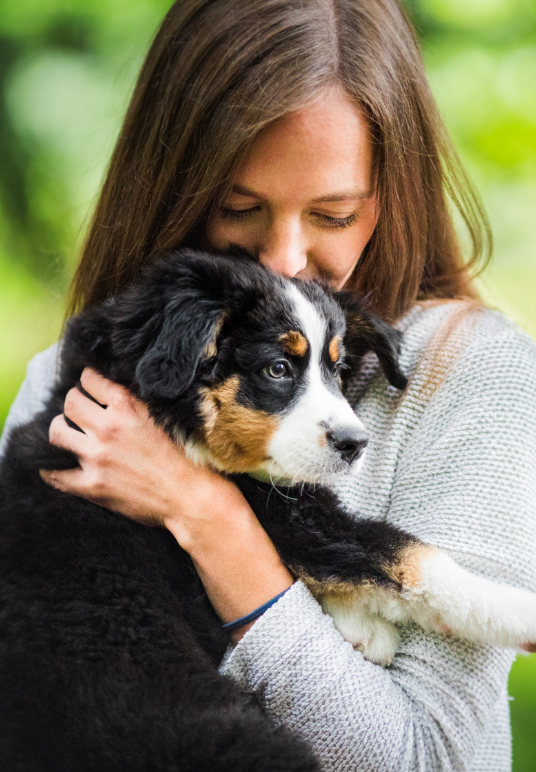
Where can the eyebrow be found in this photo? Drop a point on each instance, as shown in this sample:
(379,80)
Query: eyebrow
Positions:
(346,195)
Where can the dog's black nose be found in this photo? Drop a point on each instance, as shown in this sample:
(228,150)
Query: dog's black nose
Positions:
(349,442)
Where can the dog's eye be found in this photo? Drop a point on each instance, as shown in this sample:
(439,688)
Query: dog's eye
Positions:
(277,370)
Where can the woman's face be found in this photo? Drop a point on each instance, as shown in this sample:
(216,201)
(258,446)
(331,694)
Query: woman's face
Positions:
(303,200)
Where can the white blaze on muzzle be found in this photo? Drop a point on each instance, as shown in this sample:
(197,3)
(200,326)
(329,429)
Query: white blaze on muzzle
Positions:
(320,436)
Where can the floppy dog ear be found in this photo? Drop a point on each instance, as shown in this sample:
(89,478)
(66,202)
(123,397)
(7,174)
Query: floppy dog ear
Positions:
(188,333)
(365,331)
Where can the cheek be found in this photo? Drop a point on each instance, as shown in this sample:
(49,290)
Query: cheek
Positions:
(215,233)
(336,257)
(220,233)
(336,254)
(236,436)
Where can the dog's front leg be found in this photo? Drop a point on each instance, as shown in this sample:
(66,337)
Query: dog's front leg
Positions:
(349,565)
(368,573)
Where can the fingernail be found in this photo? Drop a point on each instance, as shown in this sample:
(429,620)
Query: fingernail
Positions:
(47,477)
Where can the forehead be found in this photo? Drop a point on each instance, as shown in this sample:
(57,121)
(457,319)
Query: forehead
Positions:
(308,154)
(297,316)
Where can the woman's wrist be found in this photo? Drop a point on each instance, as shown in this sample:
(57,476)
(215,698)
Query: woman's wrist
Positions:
(238,564)
(213,510)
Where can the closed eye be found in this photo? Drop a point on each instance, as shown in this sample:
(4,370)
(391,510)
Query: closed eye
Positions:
(238,215)
(336,222)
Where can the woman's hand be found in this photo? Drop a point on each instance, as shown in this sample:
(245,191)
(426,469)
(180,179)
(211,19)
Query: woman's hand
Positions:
(129,465)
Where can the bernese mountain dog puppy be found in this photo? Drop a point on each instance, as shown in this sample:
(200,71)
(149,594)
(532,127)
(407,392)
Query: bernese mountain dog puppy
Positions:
(108,644)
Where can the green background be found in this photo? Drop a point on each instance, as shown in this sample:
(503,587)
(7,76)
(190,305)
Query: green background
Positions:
(66,70)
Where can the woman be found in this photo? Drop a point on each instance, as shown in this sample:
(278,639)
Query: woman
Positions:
(306,133)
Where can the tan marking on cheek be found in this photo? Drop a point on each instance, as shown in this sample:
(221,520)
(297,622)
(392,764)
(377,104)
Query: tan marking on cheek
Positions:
(407,572)
(334,350)
(294,343)
(237,436)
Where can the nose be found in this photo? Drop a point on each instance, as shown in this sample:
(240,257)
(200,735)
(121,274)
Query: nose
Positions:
(350,443)
(285,251)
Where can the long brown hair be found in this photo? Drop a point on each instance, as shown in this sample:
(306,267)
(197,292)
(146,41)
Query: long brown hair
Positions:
(217,73)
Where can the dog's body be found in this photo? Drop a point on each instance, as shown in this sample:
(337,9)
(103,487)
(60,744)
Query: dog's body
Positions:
(108,644)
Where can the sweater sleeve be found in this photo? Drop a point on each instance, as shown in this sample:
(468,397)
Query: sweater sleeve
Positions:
(465,481)
(33,393)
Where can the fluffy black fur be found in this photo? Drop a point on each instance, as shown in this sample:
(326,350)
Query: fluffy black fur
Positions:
(108,644)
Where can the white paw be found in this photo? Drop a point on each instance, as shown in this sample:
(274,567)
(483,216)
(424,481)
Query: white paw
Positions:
(376,638)
(382,645)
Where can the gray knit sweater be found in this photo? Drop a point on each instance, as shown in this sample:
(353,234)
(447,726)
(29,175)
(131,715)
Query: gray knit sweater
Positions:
(453,461)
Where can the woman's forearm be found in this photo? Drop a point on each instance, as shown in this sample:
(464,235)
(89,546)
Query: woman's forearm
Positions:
(238,565)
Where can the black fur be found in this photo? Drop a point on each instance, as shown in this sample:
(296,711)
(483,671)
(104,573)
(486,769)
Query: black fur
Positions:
(108,644)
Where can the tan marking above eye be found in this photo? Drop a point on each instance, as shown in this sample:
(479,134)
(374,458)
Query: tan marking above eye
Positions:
(334,350)
(236,435)
(294,343)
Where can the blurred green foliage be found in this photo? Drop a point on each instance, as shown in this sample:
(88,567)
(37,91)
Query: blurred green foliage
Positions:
(66,71)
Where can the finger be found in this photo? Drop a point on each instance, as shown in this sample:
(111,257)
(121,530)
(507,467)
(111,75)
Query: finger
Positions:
(84,412)
(68,480)
(61,480)
(74,482)
(530,647)
(104,391)
(77,482)
(63,436)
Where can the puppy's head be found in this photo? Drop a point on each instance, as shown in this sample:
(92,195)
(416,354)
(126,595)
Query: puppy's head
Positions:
(243,366)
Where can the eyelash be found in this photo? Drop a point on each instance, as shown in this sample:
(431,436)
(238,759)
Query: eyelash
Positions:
(338,222)
(243,214)
(237,214)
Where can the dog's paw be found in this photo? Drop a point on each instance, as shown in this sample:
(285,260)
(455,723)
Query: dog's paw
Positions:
(381,645)
(376,638)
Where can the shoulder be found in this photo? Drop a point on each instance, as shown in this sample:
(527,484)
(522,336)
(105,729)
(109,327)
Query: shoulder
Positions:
(457,356)
(35,390)
(41,375)
(473,376)
(453,336)
(446,344)
(453,354)
(44,365)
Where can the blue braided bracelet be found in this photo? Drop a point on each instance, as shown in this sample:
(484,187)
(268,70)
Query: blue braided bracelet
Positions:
(230,626)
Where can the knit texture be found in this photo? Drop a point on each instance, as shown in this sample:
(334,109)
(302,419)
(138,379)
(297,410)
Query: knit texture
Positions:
(453,461)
